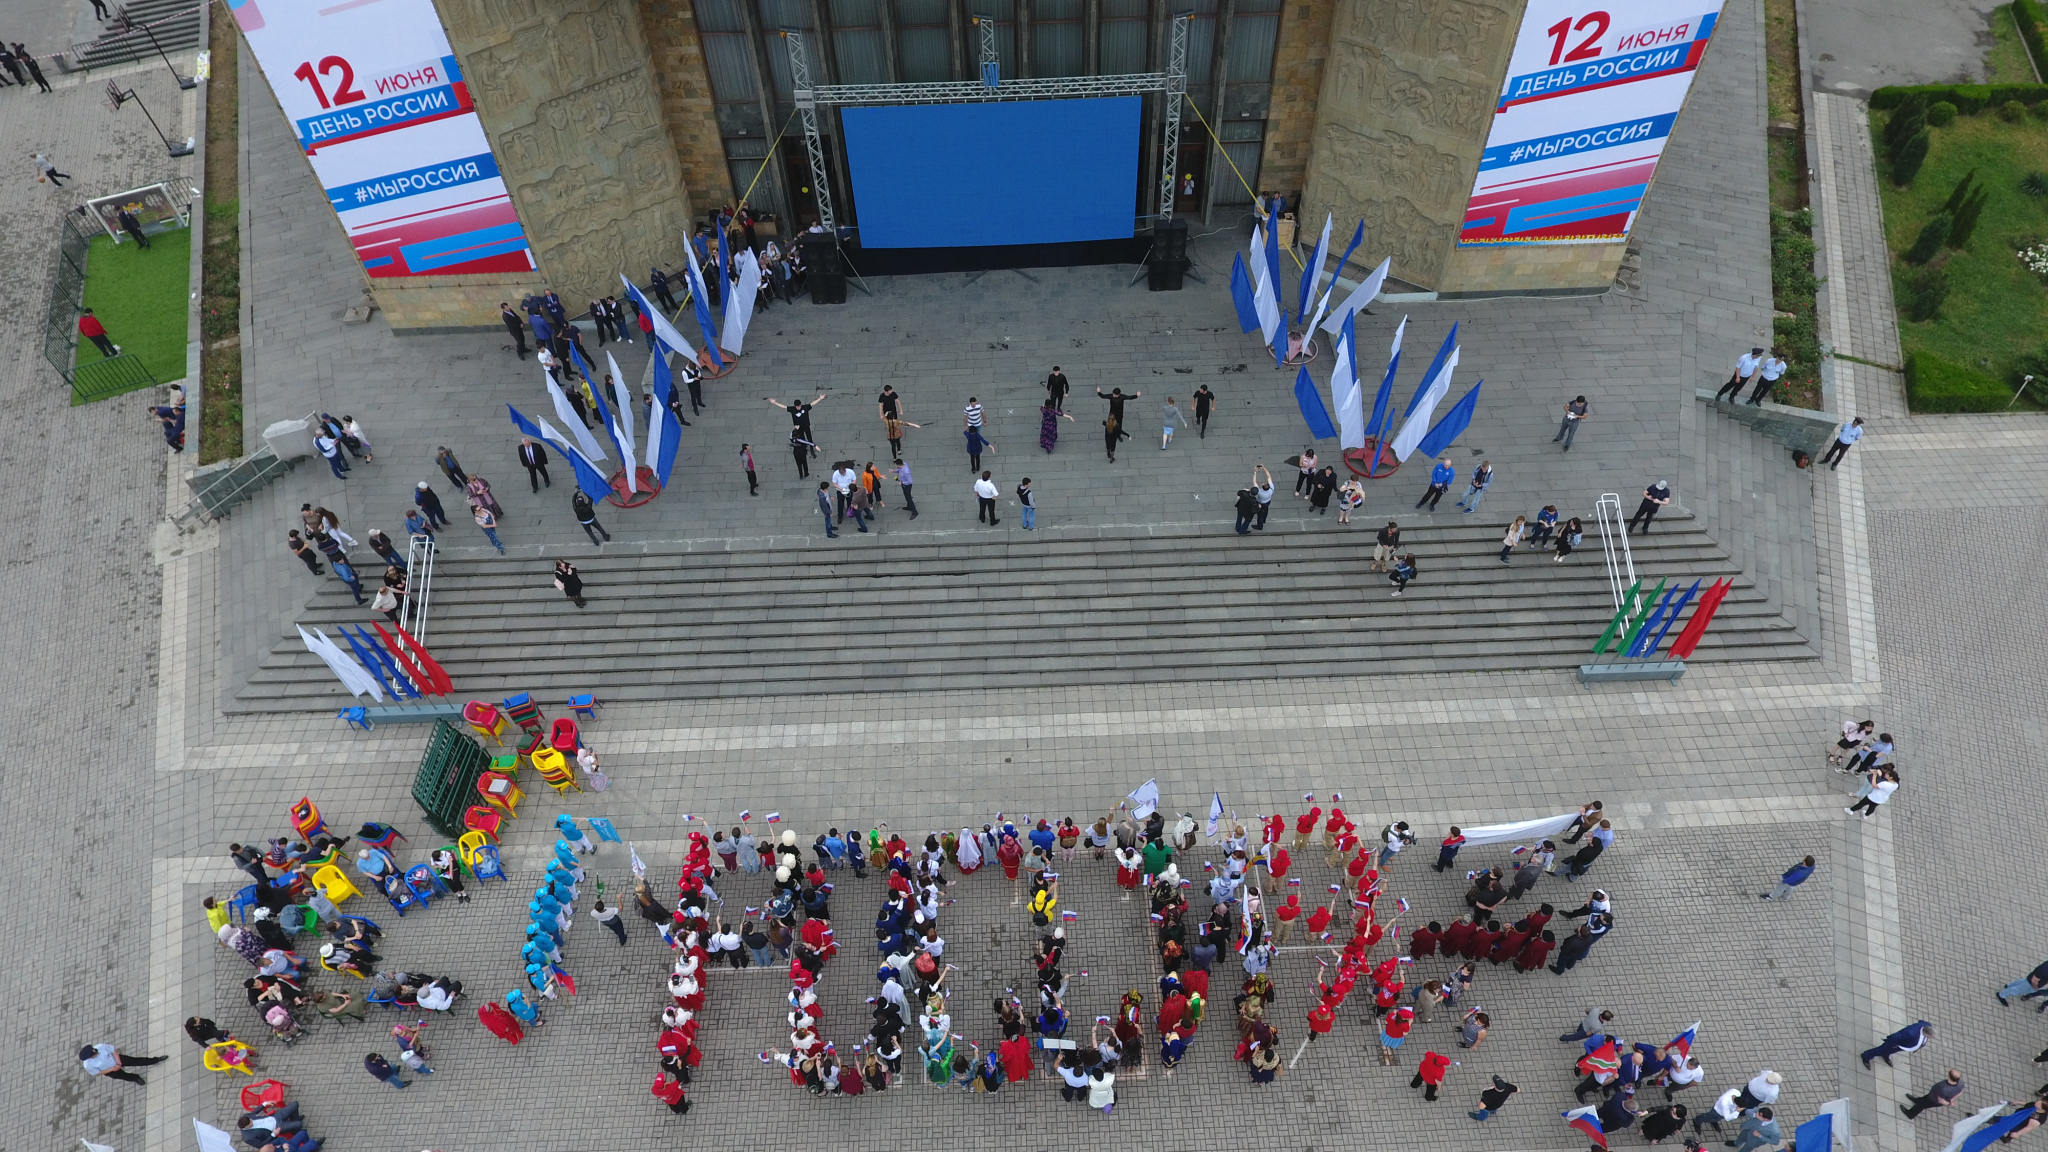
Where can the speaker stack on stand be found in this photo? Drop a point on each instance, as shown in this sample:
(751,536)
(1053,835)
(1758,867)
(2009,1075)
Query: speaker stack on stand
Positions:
(1168,260)
(824,270)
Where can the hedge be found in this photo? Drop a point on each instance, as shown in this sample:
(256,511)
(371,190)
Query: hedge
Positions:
(1935,385)
(1969,99)
(2027,15)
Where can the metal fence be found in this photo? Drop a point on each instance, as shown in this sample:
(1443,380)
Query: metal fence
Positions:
(419,580)
(1621,562)
(100,379)
(67,295)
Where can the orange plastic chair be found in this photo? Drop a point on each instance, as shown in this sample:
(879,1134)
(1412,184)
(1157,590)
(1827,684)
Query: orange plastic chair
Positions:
(501,792)
(485,720)
(228,1056)
(333,884)
(483,819)
(263,1094)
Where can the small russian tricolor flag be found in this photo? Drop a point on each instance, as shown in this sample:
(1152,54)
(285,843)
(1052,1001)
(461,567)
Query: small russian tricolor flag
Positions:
(746,814)
(1683,1041)
(1294,881)
(1402,903)
(1587,1121)
(1336,888)
(774,817)
(1070,915)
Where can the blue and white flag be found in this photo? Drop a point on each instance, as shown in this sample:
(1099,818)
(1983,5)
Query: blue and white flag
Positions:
(739,303)
(566,413)
(663,432)
(1264,300)
(1241,294)
(1215,812)
(622,432)
(623,395)
(1345,392)
(1454,422)
(702,300)
(1424,407)
(1360,296)
(1145,799)
(662,327)
(601,407)
(1330,289)
(1385,396)
(1310,398)
(1312,272)
(593,482)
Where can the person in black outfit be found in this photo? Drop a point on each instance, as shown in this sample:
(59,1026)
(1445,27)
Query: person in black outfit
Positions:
(603,320)
(1943,1094)
(586,515)
(891,403)
(1204,400)
(514,326)
(1056,390)
(800,421)
(13,66)
(28,61)
(133,227)
(534,459)
(1247,507)
(1654,497)
(801,448)
(1116,400)
(621,326)
(693,379)
(1573,950)
(659,282)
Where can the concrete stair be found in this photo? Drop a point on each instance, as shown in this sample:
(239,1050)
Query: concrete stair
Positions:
(1013,610)
(174,23)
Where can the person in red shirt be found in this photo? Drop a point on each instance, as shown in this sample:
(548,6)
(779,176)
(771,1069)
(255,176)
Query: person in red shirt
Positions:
(1386,995)
(1321,1019)
(1394,1032)
(1358,864)
(1455,937)
(1332,826)
(1305,827)
(1510,943)
(1448,850)
(1319,920)
(1276,824)
(1279,864)
(1423,942)
(1535,952)
(89,326)
(1481,942)
(1368,939)
(1287,914)
(669,1091)
(1429,1075)
(1346,843)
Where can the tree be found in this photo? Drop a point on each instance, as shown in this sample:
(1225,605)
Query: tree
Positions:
(1924,295)
(1931,238)
(1966,218)
(1909,117)
(1961,193)
(1911,155)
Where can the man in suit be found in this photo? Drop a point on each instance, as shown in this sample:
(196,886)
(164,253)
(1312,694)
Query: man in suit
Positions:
(514,326)
(534,459)
(1911,1038)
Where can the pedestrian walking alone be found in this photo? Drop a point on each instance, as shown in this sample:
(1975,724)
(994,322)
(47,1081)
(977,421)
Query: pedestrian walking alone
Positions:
(514,326)
(1384,545)
(569,581)
(429,502)
(48,171)
(1655,497)
(376,1065)
(1025,508)
(825,506)
(904,481)
(450,467)
(1402,572)
(1049,419)
(1441,478)
(106,1060)
(1568,428)
(534,459)
(586,515)
(1169,419)
(985,493)
(1942,1095)
(1847,437)
(747,466)
(1205,400)
(1056,389)
(1482,479)
(1793,878)
(610,918)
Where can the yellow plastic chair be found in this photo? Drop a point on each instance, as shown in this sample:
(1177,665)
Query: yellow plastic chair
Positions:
(549,761)
(229,1056)
(485,720)
(465,848)
(332,884)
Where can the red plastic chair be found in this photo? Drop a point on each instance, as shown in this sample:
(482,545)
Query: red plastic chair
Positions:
(306,819)
(263,1095)
(563,736)
(482,818)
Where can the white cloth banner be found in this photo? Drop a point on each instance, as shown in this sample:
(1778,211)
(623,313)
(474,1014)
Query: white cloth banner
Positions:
(343,666)
(548,433)
(1315,276)
(662,328)
(211,1139)
(1145,800)
(1418,425)
(626,449)
(1215,813)
(1350,400)
(567,415)
(619,384)
(1264,300)
(622,398)
(739,303)
(1970,1124)
(1521,830)
(1360,296)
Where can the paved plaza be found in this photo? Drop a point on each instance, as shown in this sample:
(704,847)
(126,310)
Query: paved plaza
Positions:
(1909,569)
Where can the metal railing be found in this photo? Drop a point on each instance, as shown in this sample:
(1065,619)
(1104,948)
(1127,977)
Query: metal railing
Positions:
(1621,563)
(419,581)
(109,377)
(67,296)
(144,29)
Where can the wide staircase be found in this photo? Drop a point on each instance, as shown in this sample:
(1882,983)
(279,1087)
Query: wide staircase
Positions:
(174,24)
(869,614)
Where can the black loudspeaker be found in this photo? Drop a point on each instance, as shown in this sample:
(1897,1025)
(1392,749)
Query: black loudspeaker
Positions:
(1168,259)
(823,268)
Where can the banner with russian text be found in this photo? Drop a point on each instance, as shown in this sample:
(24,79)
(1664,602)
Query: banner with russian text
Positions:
(1590,98)
(378,103)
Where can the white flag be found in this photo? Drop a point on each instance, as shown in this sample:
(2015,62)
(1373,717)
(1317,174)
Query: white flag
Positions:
(626,449)
(1215,812)
(567,415)
(548,433)
(343,666)
(1350,401)
(1264,300)
(739,303)
(1145,800)
(1966,1126)
(662,328)
(1314,273)
(639,865)
(623,397)
(1418,425)
(619,380)
(1360,296)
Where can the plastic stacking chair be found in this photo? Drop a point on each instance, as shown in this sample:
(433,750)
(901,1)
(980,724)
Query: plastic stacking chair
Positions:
(375,835)
(228,1056)
(400,895)
(485,720)
(300,920)
(387,1000)
(263,1096)
(466,846)
(524,712)
(357,717)
(483,819)
(500,792)
(563,736)
(534,741)
(424,883)
(554,769)
(306,819)
(506,762)
(314,863)
(243,903)
(486,866)
(585,706)
(334,885)
(325,966)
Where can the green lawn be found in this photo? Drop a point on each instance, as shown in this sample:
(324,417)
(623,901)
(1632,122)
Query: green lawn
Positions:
(141,298)
(2006,63)
(1996,309)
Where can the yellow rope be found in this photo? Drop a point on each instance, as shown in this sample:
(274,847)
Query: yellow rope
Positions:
(1267,216)
(758,173)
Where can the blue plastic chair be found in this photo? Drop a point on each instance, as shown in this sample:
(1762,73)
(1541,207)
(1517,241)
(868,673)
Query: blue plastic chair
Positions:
(487,866)
(424,883)
(400,895)
(243,903)
(585,706)
(357,718)
(388,1000)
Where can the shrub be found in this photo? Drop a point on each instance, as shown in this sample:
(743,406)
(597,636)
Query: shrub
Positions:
(1935,385)
(2012,111)
(1926,292)
(2041,110)
(1966,218)
(1910,156)
(1969,99)
(2027,16)
(1960,192)
(2034,254)
(1930,240)
(1941,114)
(2033,364)
(2035,184)
(1911,117)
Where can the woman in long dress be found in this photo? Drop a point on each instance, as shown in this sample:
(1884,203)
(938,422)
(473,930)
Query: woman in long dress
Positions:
(1049,419)
(969,853)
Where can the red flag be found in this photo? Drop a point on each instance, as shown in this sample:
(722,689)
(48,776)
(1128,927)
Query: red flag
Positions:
(405,660)
(1689,638)
(1601,1059)
(428,662)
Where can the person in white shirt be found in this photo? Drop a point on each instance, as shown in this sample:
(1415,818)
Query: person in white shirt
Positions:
(1883,782)
(1682,1076)
(1850,434)
(1725,1111)
(1768,375)
(1762,1089)
(985,492)
(843,480)
(1746,368)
